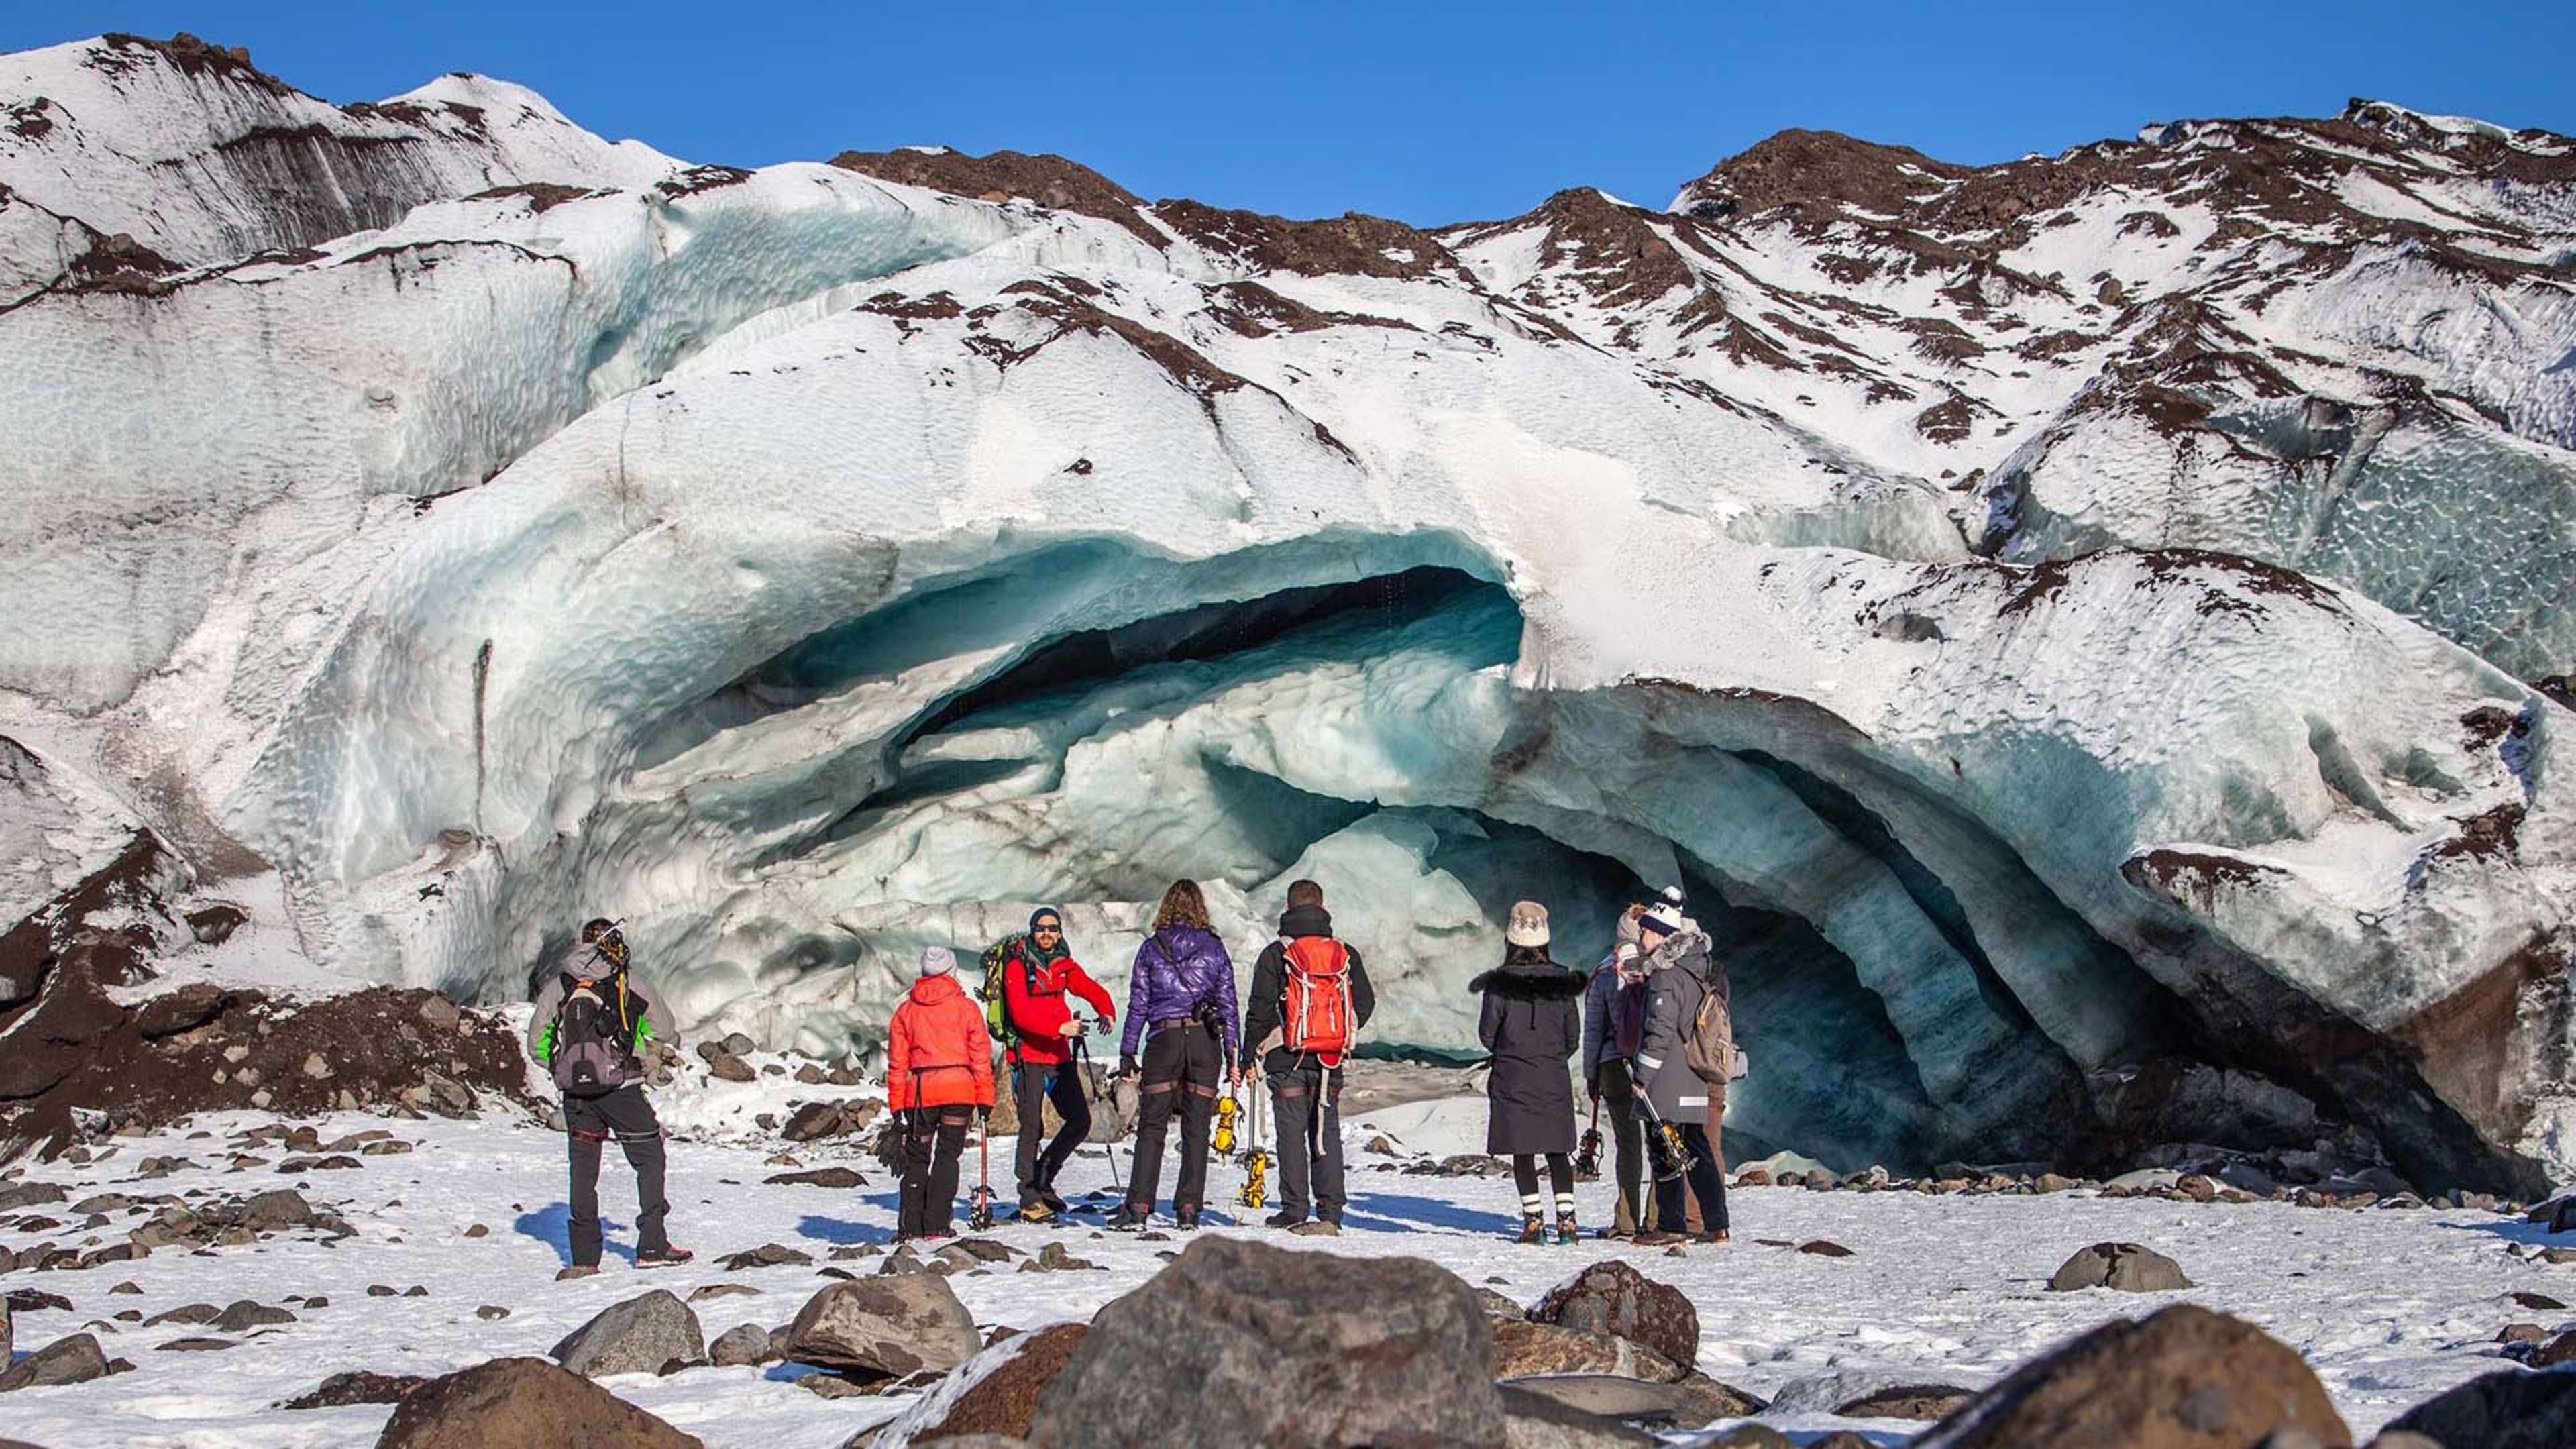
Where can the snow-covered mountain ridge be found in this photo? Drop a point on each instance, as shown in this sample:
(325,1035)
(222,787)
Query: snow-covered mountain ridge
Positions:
(2066,622)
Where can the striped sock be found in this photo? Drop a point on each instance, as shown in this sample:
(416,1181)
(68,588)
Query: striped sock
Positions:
(1565,1207)
(1529,1205)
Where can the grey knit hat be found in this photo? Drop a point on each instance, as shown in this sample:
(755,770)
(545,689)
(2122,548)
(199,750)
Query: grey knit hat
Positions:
(937,961)
(1528,925)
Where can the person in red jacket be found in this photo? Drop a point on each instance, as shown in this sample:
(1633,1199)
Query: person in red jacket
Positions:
(939,1064)
(1036,978)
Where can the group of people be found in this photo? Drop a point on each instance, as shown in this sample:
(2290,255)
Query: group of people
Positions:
(1651,1022)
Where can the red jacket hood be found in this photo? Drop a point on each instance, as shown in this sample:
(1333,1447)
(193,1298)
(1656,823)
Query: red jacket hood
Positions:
(932,990)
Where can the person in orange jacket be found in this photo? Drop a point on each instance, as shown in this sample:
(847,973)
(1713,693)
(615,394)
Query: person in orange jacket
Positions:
(939,1064)
(1036,978)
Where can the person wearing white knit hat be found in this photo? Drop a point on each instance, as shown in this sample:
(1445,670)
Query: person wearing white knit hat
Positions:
(1686,993)
(1532,1021)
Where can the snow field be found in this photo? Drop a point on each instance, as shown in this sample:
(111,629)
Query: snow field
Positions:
(2388,1306)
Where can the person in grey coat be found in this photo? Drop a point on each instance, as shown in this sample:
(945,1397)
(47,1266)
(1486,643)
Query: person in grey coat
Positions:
(1532,1023)
(1680,976)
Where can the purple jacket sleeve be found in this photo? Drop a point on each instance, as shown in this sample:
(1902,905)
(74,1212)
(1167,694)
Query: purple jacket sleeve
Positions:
(1225,986)
(1140,997)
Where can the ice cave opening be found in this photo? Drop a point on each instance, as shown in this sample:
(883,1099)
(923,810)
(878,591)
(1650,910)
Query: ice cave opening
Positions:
(1080,723)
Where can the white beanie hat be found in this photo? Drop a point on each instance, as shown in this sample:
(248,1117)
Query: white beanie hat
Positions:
(937,961)
(1665,915)
(1528,925)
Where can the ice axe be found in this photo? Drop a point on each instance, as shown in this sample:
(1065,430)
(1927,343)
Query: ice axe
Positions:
(1587,1162)
(980,1217)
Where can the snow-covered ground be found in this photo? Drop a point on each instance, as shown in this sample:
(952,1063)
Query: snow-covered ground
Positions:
(2389,1307)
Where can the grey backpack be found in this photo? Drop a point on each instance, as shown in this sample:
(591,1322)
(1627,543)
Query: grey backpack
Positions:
(593,1055)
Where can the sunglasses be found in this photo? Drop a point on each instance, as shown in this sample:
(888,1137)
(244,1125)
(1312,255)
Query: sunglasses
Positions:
(1047,931)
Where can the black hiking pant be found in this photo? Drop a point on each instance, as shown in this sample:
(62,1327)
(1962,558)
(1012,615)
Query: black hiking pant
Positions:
(1706,1181)
(1033,1085)
(933,1139)
(1628,1146)
(589,1123)
(1181,1066)
(1306,1103)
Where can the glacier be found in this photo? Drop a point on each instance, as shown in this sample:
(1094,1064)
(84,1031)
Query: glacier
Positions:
(810,564)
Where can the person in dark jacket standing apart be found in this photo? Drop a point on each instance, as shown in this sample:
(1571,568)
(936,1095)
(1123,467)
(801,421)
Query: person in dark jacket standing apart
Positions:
(1532,1022)
(1614,1022)
(592,1029)
(1313,991)
(939,1068)
(1180,1000)
(1037,976)
(1681,977)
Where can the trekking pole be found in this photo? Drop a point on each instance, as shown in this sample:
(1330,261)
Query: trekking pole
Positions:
(980,1218)
(1082,1049)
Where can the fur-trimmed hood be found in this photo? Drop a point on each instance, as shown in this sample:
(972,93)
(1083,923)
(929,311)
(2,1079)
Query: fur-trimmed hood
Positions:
(1534,982)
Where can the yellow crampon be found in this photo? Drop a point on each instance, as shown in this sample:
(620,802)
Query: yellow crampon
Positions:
(1223,1141)
(1256,1160)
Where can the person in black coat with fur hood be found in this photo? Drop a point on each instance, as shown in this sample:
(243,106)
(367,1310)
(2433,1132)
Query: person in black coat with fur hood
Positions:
(1533,1024)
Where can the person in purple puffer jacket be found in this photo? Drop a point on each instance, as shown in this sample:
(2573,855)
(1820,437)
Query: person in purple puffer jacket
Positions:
(1181,1001)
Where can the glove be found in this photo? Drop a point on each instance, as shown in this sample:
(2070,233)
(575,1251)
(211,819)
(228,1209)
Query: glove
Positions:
(1070,1028)
(1126,1065)
(1592,1088)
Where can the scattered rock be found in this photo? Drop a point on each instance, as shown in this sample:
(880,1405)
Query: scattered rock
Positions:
(1753,1177)
(1500,1306)
(639,1335)
(813,1121)
(1584,1411)
(2123,1266)
(478,1230)
(523,1403)
(2511,1409)
(1383,1350)
(358,1387)
(73,1360)
(197,1345)
(2556,1351)
(2050,1182)
(1523,1348)
(246,1315)
(837,1177)
(2183,1376)
(1823,1248)
(491,1313)
(1001,1389)
(722,1290)
(1613,1298)
(885,1325)
(767,1255)
(2541,1301)
(741,1346)
(1907,1401)
(731,1068)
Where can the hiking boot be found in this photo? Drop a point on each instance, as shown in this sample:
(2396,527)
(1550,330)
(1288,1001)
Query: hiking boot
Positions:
(578,1270)
(1129,1218)
(1720,1235)
(1283,1219)
(1185,1219)
(1533,1230)
(1048,1195)
(666,1258)
(1657,1238)
(1319,1228)
(933,1235)
(1566,1235)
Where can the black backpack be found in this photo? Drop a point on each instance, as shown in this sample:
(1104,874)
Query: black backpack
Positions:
(594,1051)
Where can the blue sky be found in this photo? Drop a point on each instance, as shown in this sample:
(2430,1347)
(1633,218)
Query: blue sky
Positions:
(1430,113)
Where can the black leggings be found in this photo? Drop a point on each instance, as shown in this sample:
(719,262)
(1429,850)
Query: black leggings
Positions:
(1182,1065)
(1560,1173)
(1033,1087)
(933,1139)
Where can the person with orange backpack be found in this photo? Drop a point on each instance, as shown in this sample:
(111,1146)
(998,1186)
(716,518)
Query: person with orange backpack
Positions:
(1312,990)
(939,1068)
(1038,972)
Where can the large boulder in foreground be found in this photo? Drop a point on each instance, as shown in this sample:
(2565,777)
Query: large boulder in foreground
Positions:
(2124,1266)
(2184,1378)
(639,1336)
(892,1325)
(1243,1343)
(1611,1297)
(1522,1348)
(523,1403)
(2514,1409)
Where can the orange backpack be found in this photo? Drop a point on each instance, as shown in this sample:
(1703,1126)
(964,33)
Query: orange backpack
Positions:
(1317,1014)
